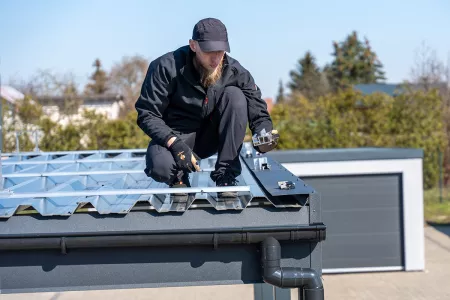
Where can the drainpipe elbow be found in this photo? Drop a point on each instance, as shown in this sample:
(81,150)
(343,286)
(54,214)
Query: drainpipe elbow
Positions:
(273,274)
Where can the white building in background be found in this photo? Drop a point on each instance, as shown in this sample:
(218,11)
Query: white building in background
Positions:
(108,104)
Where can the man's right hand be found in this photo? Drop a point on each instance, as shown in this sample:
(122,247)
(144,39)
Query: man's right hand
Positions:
(185,158)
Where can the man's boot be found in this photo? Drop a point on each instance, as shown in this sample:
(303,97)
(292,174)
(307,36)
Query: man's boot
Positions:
(227,180)
(181,183)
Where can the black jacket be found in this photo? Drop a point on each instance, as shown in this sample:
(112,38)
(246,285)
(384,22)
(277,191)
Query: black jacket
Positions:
(172,100)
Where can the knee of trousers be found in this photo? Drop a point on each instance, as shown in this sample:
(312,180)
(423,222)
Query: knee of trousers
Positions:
(158,174)
(235,98)
(159,164)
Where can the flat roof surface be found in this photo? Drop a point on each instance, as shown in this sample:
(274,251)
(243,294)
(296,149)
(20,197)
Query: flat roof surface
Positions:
(114,182)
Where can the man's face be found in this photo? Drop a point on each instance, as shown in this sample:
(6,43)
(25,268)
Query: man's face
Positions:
(209,64)
(208,60)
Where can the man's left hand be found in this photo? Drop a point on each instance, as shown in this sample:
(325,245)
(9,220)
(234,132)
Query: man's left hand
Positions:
(267,142)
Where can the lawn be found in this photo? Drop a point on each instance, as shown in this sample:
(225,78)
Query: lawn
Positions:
(435,211)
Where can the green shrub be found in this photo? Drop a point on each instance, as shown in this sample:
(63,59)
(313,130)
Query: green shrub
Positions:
(348,119)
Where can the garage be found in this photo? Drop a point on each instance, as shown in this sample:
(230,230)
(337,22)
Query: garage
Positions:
(372,205)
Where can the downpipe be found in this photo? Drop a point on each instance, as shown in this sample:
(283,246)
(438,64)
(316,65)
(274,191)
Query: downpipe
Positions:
(305,279)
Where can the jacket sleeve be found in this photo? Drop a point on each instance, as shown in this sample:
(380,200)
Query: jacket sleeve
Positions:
(258,115)
(153,101)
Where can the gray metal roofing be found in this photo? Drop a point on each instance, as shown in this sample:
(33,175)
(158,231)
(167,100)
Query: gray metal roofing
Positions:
(344,154)
(113,181)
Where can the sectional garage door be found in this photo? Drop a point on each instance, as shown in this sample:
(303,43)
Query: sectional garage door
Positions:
(364,221)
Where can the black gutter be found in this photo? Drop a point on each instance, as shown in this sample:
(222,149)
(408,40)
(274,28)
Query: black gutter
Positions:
(305,279)
(308,233)
(312,226)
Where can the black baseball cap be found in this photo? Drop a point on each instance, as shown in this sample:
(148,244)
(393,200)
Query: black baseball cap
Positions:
(211,34)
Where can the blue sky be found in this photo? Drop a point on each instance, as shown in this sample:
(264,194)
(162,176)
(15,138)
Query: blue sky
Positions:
(267,37)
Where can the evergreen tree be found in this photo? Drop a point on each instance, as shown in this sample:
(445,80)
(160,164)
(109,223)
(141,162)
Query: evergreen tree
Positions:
(72,100)
(99,78)
(307,78)
(280,96)
(354,63)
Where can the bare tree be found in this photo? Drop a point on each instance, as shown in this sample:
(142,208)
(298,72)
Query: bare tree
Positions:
(428,71)
(51,88)
(47,83)
(126,78)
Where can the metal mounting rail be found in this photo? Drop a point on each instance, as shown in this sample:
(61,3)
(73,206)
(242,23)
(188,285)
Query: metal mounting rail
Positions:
(80,173)
(81,160)
(193,190)
(77,152)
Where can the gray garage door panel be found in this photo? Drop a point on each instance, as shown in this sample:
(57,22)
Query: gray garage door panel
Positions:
(364,250)
(362,222)
(361,192)
(363,216)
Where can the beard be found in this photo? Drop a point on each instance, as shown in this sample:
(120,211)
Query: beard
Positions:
(208,77)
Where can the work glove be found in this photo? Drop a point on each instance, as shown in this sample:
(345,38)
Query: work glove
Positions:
(185,158)
(265,141)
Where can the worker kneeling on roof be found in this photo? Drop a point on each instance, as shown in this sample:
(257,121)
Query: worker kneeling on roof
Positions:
(196,102)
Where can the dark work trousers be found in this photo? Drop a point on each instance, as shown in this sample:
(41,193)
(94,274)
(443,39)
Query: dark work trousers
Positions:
(223,133)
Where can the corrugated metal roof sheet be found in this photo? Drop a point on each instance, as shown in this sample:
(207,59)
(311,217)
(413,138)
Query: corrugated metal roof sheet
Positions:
(113,181)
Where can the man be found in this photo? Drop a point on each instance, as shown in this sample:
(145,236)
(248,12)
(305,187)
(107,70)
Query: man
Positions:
(196,102)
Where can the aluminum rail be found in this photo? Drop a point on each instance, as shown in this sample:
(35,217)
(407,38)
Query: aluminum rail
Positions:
(190,190)
(71,161)
(73,173)
(82,173)
(33,153)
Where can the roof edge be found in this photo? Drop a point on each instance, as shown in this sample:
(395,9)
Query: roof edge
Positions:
(345,154)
